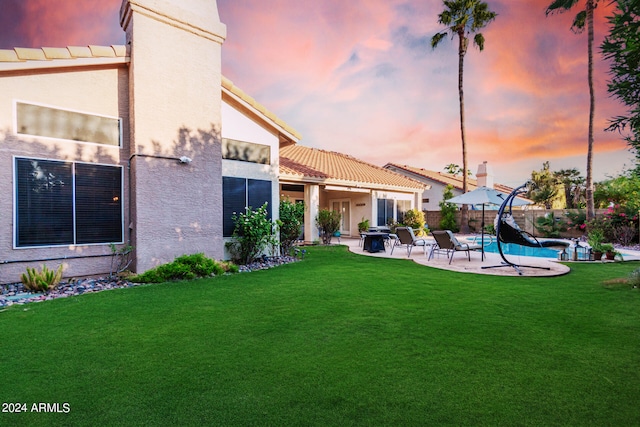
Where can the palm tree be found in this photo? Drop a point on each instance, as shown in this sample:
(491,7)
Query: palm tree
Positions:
(463,17)
(584,17)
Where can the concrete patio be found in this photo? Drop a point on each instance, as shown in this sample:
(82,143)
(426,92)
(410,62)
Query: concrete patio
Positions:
(461,263)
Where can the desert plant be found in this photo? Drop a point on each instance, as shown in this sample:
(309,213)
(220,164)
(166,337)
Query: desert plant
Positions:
(121,259)
(290,222)
(328,222)
(41,281)
(252,234)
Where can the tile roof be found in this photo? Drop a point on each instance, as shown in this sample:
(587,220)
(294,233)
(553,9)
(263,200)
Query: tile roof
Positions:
(445,178)
(51,57)
(26,58)
(310,164)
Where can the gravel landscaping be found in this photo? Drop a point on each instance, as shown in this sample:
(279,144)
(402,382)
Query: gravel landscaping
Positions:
(14,293)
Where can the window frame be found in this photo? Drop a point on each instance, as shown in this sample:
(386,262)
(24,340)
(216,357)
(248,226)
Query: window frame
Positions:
(247,199)
(73,164)
(51,138)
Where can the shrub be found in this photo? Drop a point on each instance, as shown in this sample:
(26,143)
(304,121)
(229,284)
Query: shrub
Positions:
(328,221)
(448,211)
(290,222)
(576,220)
(185,267)
(41,281)
(253,233)
(549,226)
(415,219)
(363,225)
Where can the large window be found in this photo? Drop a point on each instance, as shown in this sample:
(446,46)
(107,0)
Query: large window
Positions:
(385,211)
(67,203)
(239,194)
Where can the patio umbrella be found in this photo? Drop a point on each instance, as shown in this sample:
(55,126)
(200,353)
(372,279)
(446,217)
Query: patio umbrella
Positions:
(484,196)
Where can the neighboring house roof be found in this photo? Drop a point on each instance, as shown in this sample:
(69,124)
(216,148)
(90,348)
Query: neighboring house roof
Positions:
(19,59)
(444,178)
(304,164)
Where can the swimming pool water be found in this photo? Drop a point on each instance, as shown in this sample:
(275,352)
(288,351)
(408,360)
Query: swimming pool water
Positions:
(517,250)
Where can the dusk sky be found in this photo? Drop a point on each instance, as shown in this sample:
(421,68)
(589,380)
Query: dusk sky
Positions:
(359,77)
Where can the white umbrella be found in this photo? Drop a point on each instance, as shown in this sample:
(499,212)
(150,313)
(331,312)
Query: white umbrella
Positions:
(483,196)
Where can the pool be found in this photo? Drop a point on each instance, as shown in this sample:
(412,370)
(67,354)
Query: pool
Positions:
(517,250)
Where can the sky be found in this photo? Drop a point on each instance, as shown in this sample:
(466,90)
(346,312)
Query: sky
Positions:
(359,77)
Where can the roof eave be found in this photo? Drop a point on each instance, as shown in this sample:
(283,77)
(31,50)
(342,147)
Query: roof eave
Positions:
(62,63)
(350,184)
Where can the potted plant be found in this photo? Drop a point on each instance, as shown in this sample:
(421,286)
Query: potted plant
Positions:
(608,250)
(595,238)
(363,226)
(597,251)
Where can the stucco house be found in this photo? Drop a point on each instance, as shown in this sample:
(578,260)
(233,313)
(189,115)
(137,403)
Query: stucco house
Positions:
(126,144)
(436,182)
(330,180)
(149,145)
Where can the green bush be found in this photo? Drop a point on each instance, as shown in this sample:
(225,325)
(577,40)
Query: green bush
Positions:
(290,223)
(328,222)
(185,267)
(41,281)
(448,211)
(253,233)
(549,226)
(415,219)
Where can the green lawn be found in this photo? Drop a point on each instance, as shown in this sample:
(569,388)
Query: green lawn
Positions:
(335,340)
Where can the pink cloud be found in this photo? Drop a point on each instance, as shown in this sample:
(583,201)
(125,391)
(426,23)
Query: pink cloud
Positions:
(359,77)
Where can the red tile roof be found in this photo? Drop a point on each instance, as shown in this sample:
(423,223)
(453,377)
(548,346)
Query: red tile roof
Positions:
(309,164)
(445,178)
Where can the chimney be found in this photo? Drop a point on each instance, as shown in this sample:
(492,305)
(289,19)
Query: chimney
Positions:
(485,175)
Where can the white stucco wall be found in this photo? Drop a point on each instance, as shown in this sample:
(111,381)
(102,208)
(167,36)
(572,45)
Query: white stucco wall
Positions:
(238,126)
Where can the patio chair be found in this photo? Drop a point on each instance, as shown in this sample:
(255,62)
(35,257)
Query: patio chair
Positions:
(448,243)
(408,238)
(508,231)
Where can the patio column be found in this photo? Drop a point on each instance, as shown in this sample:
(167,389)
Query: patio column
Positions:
(312,205)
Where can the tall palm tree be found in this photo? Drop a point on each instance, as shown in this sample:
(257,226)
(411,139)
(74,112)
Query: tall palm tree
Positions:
(584,17)
(462,18)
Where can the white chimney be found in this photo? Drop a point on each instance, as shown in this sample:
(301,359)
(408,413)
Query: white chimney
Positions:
(485,175)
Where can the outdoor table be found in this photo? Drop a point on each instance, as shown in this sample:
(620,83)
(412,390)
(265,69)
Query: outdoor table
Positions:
(374,242)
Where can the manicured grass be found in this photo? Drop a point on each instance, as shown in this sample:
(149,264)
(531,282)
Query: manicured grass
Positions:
(336,340)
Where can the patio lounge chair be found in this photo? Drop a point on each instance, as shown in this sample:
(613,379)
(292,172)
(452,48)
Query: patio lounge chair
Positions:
(448,243)
(409,239)
(508,231)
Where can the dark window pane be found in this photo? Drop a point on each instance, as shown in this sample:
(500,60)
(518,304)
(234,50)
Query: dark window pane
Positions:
(234,201)
(98,204)
(382,212)
(259,194)
(44,208)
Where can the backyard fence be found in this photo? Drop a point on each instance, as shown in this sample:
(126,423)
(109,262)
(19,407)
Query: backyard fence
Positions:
(524,218)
